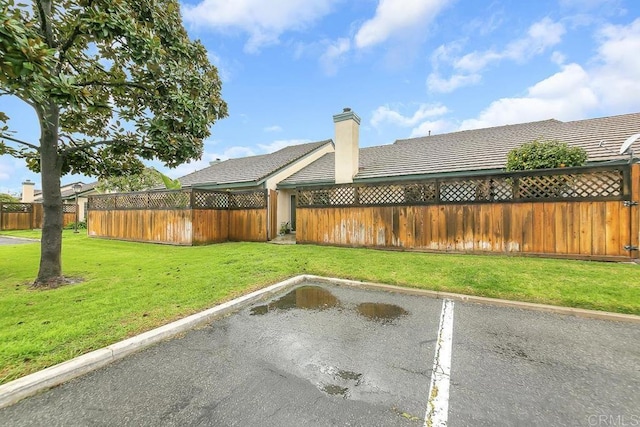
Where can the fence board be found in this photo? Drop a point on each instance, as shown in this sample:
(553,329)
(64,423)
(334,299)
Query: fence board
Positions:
(612,228)
(210,226)
(248,225)
(548,228)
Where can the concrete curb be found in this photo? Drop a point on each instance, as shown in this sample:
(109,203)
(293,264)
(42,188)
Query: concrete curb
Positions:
(29,385)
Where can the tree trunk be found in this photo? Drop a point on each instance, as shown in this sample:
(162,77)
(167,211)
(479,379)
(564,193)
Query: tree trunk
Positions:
(50,273)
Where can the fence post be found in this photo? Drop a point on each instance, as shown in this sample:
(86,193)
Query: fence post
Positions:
(634,213)
(1,215)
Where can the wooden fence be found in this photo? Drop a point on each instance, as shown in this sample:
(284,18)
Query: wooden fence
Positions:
(574,212)
(179,217)
(27,216)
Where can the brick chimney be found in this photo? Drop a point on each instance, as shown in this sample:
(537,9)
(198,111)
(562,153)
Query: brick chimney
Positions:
(27,191)
(347,132)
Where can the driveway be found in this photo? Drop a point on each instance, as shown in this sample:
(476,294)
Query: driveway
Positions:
(323,355)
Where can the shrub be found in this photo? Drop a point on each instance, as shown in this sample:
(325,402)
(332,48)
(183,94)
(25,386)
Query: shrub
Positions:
(539,154)
(82,225)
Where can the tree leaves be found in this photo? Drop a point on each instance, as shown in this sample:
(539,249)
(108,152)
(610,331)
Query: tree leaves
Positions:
(126,61)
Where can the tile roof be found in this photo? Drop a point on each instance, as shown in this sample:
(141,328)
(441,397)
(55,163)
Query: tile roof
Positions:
(250,169)
(476,150)
(67,190)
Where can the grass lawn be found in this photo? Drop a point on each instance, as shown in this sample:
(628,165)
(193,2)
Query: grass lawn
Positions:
(133,287)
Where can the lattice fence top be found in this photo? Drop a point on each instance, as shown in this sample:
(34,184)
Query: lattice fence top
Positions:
(248,200)
(183,199)
(66,208)
(595,183)
(210,199)
(16,207)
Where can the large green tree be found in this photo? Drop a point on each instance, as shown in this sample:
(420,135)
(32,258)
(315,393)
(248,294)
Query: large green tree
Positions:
(113,83)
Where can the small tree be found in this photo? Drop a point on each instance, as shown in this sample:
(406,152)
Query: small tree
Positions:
(113,82)
(545,154)
(8,198)
(145,180)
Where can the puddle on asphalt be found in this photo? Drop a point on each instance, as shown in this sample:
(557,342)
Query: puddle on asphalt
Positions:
(306,297)
(349,375)
(384,313)
(336,390)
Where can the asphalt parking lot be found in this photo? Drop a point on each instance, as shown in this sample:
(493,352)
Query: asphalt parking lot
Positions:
(323,355)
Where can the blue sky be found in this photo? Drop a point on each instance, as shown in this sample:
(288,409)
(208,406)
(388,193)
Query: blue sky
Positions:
(406,67)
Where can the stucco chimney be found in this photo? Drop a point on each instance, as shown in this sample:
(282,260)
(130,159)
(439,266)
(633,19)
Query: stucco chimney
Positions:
(27,191)
(347,133)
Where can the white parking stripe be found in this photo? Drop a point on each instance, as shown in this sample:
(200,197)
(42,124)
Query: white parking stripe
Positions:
(438,405)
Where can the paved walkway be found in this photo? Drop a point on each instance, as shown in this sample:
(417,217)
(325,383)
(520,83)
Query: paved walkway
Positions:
(4,240)
(323,355)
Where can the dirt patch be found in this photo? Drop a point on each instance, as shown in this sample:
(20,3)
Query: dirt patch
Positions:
(55,283)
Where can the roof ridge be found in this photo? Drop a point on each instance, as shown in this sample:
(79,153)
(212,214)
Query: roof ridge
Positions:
(554,121)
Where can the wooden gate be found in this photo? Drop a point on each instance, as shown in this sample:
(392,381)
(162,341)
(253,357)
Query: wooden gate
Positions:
(272,232)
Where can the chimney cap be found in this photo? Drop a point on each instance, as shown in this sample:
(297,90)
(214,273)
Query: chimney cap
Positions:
(346,114)
(28,182)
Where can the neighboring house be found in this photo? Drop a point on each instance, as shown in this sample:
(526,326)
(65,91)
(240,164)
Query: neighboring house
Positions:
(260,172)
(31,195)
(341,160)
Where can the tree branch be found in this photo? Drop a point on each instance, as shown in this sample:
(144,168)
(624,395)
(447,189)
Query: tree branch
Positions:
(44,22)
(80,147)
(69,42)
(35,147)
(113,84)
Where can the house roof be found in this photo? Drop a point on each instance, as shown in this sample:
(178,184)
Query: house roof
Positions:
(475,150)
(252,169)
(67,190)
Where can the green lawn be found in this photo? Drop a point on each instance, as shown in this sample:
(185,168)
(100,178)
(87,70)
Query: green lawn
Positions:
(133,287)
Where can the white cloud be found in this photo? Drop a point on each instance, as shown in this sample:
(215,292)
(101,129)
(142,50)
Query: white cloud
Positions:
(558,58)
(467,69)
(280,144)
(618,66)
(540,36)
(427,119)
(334,54)
(262,20)
(610,85)
(436,83)
(432,128)
(397,16)
(274,128)
(565,95)
(386,114)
